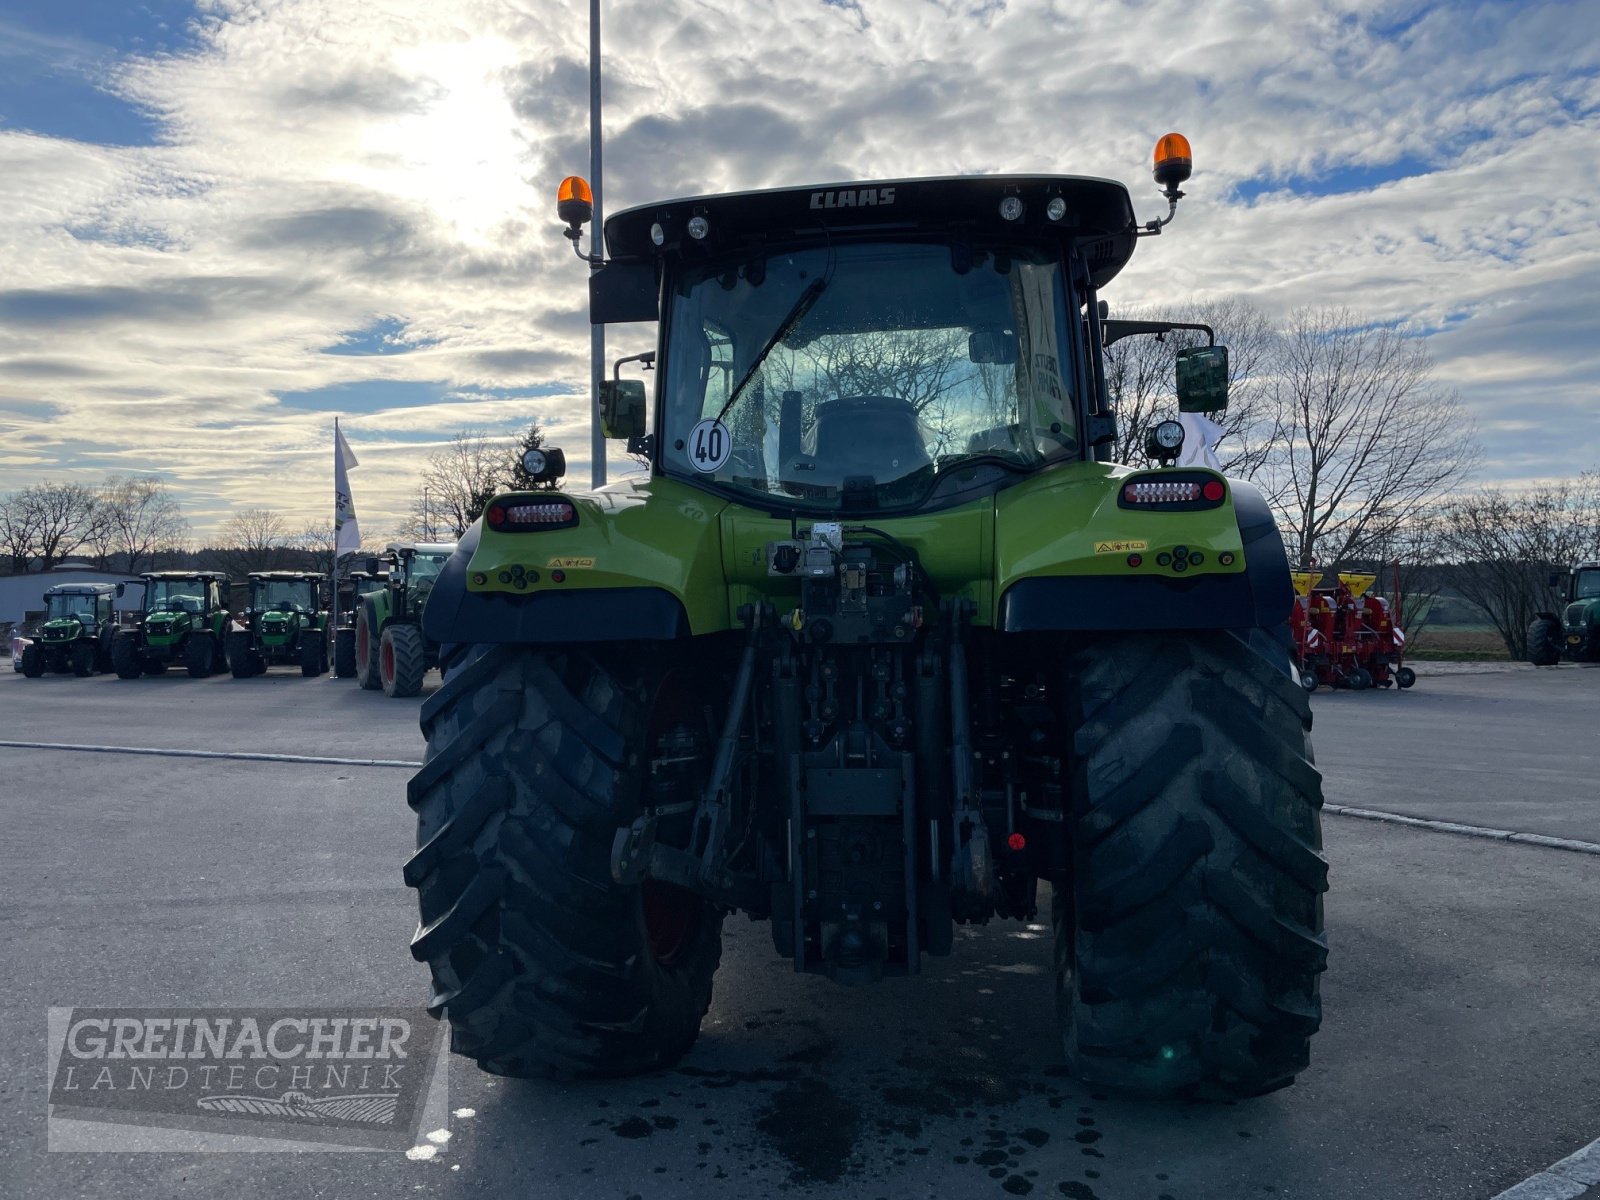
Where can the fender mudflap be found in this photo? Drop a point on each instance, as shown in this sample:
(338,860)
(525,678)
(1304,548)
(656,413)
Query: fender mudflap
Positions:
(1258,598)
(453,614)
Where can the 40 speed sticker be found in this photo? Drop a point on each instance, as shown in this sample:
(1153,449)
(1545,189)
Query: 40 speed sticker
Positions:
(709,446)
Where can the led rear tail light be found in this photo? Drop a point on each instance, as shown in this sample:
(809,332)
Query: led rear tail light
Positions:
(1160,492)
(1180,491)
(542,514)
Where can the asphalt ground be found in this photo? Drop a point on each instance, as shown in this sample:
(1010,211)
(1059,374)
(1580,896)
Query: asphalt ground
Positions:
(1458,1054)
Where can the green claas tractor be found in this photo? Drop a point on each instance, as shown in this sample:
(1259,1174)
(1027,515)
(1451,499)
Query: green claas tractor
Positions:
(183,622)
(79,625)
(1574,634)
(352,588)
(881,642)
(391,650)
(284,622)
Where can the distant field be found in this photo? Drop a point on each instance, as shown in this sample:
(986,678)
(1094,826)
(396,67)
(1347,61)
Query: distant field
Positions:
(1458,643)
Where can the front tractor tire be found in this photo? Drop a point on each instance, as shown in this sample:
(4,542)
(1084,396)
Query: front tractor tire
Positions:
(542,963)
(81,657)
(368,674)
(1190,942)
(125,658)
(344,653)
(240,657)
(199,655)
(1544,642)
(33,660)
(402,660)
(313,654)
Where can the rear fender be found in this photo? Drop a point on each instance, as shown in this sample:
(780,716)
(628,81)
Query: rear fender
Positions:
(1064,562)
(457,612)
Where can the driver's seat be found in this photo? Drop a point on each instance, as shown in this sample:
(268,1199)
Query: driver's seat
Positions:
(880,436)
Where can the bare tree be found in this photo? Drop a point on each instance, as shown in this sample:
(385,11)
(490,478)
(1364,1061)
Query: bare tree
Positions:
(1363,439)
(255,540)
(135,516)
(1506,544)
(459,480)
(19,529)
(45,522)
(1141,375)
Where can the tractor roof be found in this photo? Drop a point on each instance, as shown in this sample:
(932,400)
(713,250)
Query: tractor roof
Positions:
(420,547)
(82,589)
(184,576)
(1585,566)
(1099,216)
(287,576)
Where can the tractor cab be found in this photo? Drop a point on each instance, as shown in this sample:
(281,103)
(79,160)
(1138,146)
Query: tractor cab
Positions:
(414,567)
(888,347)
(85,605)
(284,592)
(1584,582)
(168,593)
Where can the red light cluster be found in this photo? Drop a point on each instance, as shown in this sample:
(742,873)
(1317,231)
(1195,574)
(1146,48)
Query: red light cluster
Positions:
(544,515)
(1161,491)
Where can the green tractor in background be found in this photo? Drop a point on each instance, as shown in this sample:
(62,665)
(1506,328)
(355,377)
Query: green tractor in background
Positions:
(352,587)
(391,650)
(79,626)
(183,621)
(1574,634)
(283,623)
(882,642)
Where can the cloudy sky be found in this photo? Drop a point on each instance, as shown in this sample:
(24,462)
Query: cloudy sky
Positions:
(224,222)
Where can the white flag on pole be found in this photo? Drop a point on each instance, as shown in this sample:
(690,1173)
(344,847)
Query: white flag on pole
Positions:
(346,533)
(1200,438)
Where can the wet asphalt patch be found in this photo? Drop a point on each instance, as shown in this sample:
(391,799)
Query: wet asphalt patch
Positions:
(824,1123)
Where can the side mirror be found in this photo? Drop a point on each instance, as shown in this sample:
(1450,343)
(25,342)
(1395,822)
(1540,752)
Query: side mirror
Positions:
(1202,379)
(121,588)
(1557,578)
(622,408)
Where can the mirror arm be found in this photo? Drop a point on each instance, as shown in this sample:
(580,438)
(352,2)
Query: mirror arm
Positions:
(574,233)
(1151,228)
(648,358)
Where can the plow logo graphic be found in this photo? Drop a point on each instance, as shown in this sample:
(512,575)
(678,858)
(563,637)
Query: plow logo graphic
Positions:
(354,1078)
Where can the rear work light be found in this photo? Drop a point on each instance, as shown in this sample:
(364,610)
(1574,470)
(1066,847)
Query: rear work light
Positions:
(1172,491)
(527,518)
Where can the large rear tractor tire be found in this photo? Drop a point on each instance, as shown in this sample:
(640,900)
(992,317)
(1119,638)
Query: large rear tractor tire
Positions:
(402,660)
(125,658)
(542,963)
(368,674)
(1544,642)
(344,653)
(33,660)
(81,657)
(198,655)
(239,655)
(1189,945)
